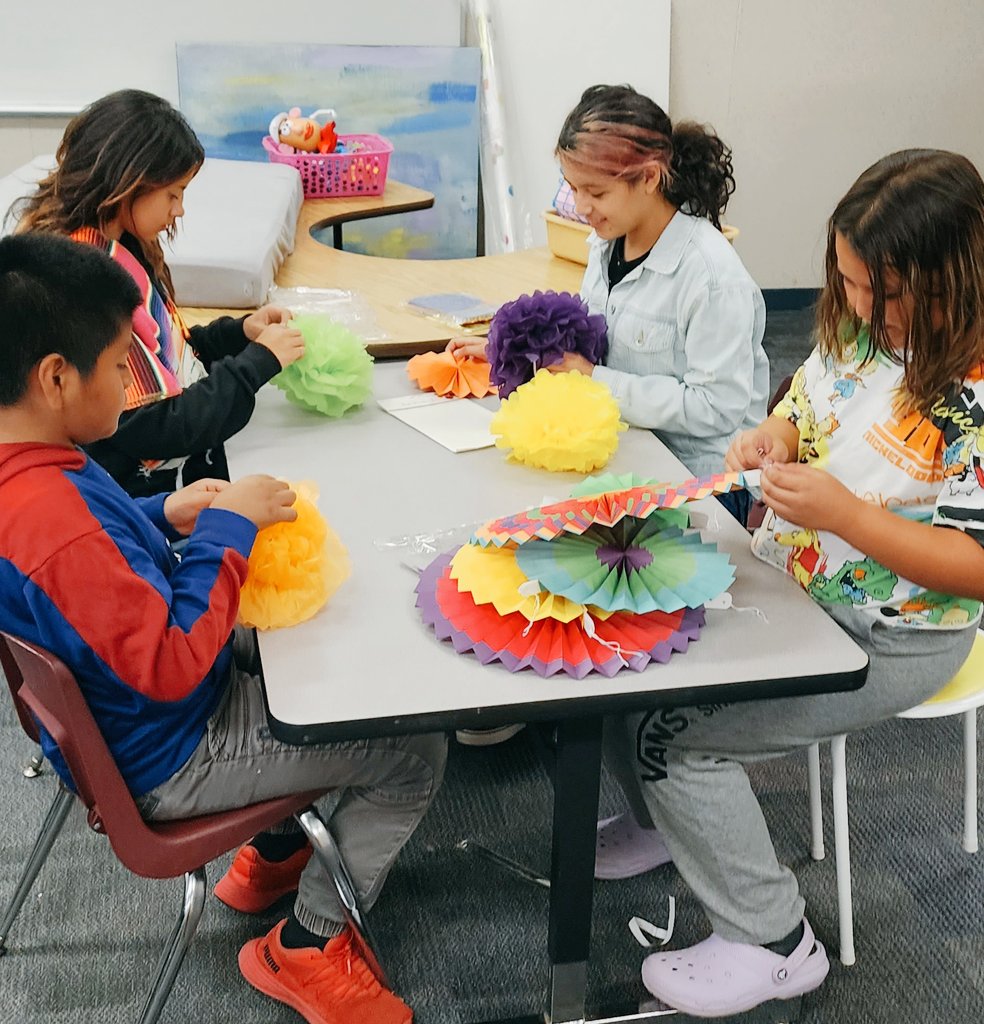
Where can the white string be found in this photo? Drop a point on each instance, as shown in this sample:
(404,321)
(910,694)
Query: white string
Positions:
(751,608)
(531,588)
(612,645)
(723,602)
(644,932)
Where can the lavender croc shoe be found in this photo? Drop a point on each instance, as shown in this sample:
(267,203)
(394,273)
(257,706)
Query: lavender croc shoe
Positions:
(623,849)
(717,978)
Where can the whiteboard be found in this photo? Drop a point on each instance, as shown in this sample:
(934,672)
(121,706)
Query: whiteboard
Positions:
(60,56)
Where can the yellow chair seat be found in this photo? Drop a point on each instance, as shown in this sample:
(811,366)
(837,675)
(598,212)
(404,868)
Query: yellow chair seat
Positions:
(963,692)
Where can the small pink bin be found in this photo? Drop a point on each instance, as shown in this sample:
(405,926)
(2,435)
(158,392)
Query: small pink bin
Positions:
(359,171)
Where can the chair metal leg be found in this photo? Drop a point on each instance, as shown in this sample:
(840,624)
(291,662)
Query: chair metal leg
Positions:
(326,850)
(178,945)
(970,781)
(32,769)
(816,806)
(842,850)
(53,822)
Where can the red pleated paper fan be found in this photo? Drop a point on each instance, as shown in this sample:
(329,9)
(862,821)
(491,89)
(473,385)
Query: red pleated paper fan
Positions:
(549,646)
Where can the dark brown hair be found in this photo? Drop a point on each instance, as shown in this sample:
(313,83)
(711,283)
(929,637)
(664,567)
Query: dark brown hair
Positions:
(620,132)
(56,296)
(918,213)
(117,149)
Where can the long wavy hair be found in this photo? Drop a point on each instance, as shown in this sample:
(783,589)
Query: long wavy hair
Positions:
(119,148)
(617,131)
(919,214)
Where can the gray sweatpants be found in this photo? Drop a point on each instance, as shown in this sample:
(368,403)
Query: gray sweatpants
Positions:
(386,785)
(682,770)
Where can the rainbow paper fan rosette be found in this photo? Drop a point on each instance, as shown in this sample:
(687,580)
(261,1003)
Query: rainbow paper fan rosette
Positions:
(548,645)
(564,422)
(335,372)
(605,508)
(445,374)
(638,565)
(293,568)
(608,579)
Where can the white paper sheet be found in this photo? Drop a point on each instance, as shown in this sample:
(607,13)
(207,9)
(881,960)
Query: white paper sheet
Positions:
(460,424)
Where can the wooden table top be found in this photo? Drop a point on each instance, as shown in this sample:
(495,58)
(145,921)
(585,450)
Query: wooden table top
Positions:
(387,284)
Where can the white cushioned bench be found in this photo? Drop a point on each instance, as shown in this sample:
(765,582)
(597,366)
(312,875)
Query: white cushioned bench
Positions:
(239,224)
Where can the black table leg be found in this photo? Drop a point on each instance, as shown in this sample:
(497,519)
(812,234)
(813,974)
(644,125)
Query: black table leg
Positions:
(336,235)
(577,773)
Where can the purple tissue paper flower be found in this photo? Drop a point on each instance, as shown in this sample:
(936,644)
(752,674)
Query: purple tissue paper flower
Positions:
(536,330)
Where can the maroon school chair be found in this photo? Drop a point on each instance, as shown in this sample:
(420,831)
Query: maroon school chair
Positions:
(45,690)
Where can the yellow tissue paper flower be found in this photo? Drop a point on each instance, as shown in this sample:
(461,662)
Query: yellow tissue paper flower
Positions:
(492,576)
(293,568)
(559,421)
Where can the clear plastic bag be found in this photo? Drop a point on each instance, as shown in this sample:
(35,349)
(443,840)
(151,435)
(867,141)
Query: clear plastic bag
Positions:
(416,551)
(344,307)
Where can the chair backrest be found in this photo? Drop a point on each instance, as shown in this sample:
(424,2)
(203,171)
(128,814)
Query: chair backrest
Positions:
(48,691)
(44,687)
(14,679)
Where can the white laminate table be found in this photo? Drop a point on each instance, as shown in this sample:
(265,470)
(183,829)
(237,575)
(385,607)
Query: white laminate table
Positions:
(367,664)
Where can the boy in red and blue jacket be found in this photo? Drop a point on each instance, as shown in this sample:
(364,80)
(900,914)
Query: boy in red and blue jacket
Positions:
(88,573)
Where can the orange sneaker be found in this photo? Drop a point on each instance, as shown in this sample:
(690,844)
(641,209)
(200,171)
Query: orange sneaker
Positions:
(253,884)
(329,986)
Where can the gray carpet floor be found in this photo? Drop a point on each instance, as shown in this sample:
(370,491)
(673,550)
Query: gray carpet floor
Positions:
(466,942)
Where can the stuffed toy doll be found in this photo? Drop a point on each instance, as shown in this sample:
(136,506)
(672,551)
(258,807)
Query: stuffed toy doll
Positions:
(295,133)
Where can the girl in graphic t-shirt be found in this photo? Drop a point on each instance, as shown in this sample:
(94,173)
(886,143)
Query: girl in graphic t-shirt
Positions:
(873,474)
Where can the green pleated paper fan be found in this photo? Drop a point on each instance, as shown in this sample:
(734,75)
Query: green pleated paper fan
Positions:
(636,565)
(335,372)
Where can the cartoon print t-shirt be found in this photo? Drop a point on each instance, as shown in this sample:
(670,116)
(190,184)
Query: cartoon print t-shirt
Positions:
(927,469)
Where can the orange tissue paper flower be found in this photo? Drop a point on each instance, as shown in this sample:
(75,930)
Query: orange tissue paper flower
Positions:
(443,374)
(293,568)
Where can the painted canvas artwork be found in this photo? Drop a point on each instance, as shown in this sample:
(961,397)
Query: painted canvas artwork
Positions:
(423,99)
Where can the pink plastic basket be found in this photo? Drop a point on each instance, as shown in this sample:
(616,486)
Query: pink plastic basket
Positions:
(360,171)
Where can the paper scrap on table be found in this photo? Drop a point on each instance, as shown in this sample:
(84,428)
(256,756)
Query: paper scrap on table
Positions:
(459,424)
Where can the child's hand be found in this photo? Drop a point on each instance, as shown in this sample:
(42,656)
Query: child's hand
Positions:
(468,348)
(286,343)
(755,448)
(810,498)
(182,507)
(264,500)
(572,363)
(254,324)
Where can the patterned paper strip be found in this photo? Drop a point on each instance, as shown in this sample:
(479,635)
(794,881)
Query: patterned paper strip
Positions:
(575,515)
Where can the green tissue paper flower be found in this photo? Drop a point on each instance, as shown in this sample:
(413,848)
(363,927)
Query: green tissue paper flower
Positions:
(335,372)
